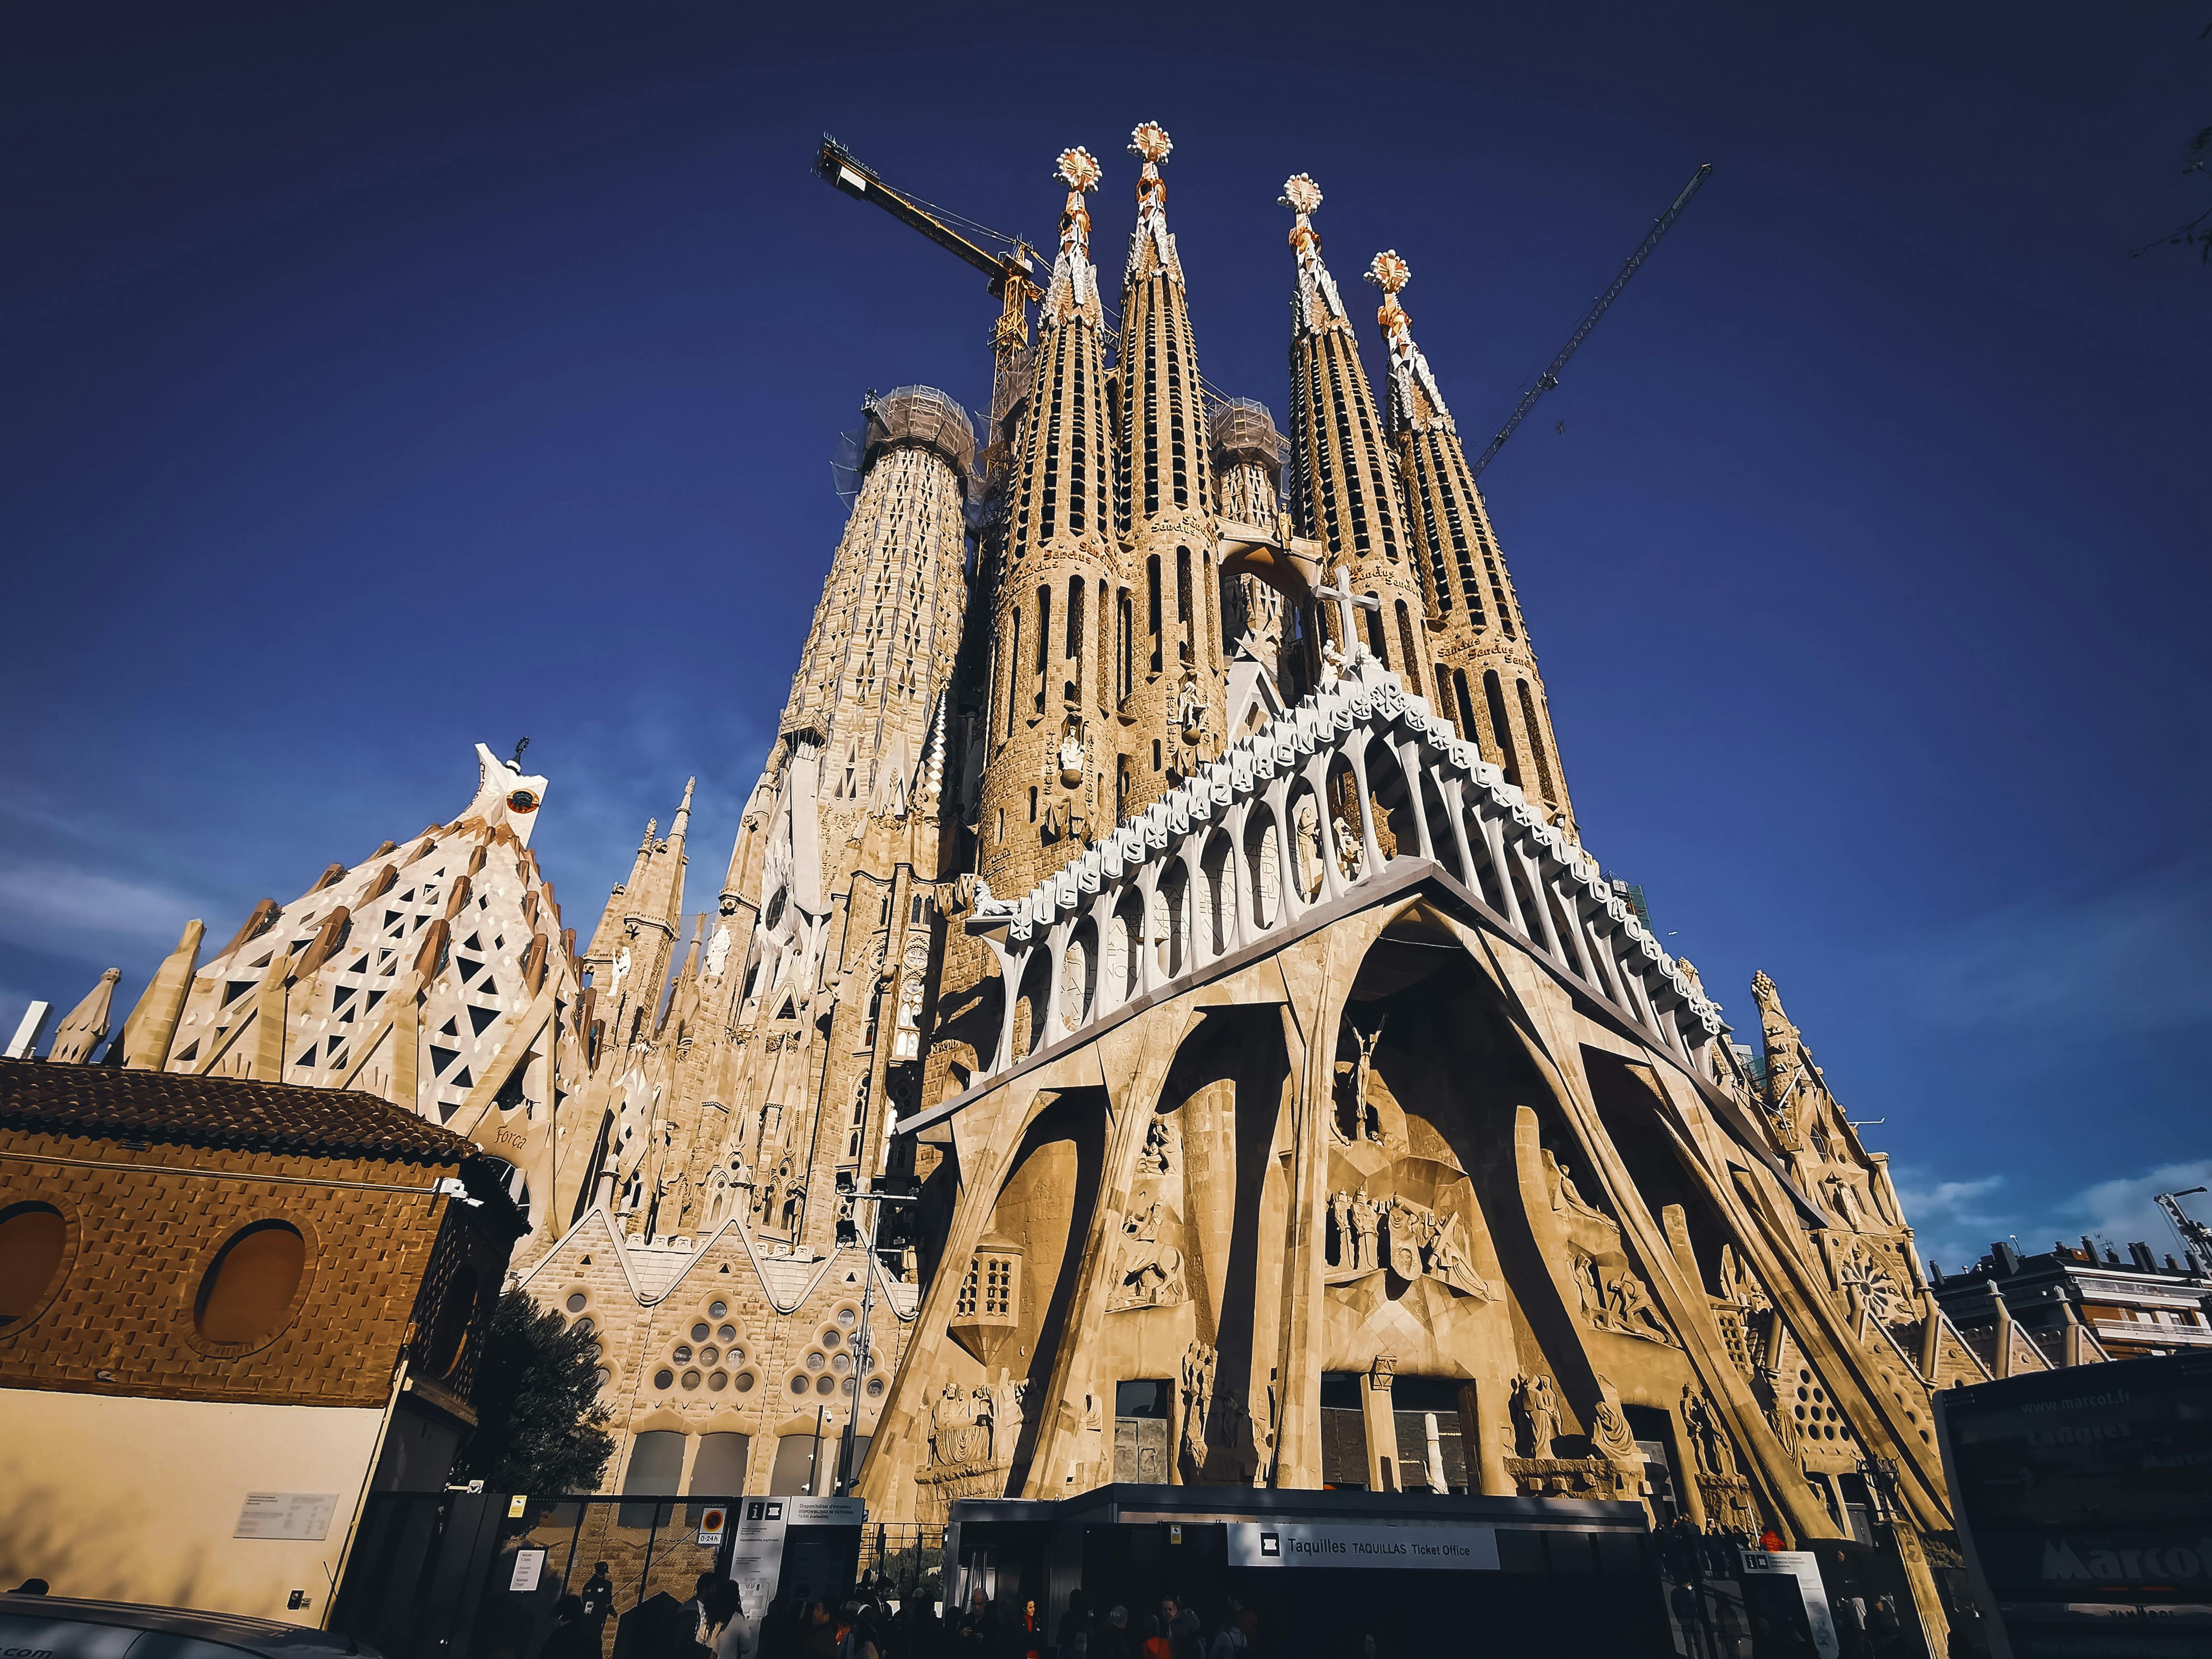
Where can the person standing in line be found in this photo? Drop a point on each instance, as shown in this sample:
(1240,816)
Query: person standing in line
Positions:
(1114,1641)
(598,1597)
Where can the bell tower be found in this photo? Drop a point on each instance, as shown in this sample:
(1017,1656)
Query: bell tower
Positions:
(1486,682)
(1344,490)
(1168,628)
(1052,728)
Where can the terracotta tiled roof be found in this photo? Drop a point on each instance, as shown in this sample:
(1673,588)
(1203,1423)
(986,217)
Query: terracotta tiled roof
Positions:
(176,1109)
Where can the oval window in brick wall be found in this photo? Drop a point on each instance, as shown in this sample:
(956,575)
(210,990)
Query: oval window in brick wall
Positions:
(33,1238)
(457,1313)
(248,1287)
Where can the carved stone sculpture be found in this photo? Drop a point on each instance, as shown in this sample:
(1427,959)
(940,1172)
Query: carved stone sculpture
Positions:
(1540,1413)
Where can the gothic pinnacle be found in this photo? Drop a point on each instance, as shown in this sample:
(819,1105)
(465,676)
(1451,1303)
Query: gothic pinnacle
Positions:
(1409,369)
(1320,307)
(1150,141)
(1074,290)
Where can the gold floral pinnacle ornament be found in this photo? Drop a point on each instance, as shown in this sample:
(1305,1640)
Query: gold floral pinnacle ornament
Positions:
(1388,273)
(1300,194)
(1151,141)
(1077,169)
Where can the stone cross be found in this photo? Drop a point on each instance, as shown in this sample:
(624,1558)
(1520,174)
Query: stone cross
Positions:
(1346,599)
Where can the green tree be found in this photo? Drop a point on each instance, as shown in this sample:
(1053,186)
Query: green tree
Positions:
(540,1427)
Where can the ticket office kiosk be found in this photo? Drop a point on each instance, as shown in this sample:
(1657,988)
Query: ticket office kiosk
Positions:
(1562,1577)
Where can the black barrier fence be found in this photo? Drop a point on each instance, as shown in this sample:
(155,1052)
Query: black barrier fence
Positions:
(458,1575)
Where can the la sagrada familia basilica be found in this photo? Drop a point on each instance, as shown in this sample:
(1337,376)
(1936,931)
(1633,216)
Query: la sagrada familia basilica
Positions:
(1164,870)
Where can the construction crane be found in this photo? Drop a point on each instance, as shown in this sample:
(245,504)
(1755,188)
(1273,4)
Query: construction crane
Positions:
(1550,377)
(2196,1236)
(1010,274)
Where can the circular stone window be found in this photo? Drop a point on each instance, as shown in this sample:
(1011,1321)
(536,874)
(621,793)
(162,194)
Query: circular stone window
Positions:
(586,1326)
(604,1375)
(848,1318)
(664,1378)
(830,1338)
(728,1333)
(683,1354)
(875,1387)
(248,1292)
(842,1363)
(798,1385)
(716,1309)
(702,1331)
(825,1384)
(815,1362)
(747,1382)
(718,1381)
(577,1301)
(691,1379)
(709,1354)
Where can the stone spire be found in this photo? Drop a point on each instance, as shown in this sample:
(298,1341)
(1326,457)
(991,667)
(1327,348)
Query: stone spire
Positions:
(82,1031)
(634,943)
(1062,660)
(146,1033)
(1486,682)
(1166,648)
(1343,490)
(880,654)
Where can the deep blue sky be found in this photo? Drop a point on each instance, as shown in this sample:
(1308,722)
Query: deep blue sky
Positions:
(380,379)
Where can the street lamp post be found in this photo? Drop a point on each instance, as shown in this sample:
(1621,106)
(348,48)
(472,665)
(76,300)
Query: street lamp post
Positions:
(863,1340)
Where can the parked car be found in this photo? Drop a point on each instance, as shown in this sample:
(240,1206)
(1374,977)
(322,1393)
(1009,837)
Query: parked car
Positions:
(57,1627)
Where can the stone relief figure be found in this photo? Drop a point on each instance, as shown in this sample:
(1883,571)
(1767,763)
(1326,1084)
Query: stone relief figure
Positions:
(1409,1228)
(1609,1431)
(718,951)
(1151,1268)
(1539,1412)
(1630,1303)
(1198,1363)
(1707,1437)
(1351,850)
(1590,1290)
(1566,1196)
(1157,1157)
(1366,1217)
(1305,830)
(955,1436)
(1189,709)
(1340,1212)
(1448,1261)
(998,1409)
(1613,1298)
(1071,756)
(1845,1200)
(618,972)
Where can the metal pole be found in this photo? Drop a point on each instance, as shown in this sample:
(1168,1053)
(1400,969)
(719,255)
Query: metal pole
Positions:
(863,1338)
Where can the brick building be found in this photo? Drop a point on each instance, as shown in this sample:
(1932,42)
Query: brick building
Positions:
(223,1304)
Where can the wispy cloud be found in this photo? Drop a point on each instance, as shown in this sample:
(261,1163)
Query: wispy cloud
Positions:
(1955,1220)
(2120,1210)
(1952,1219)
(48,905)
(2126,960)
